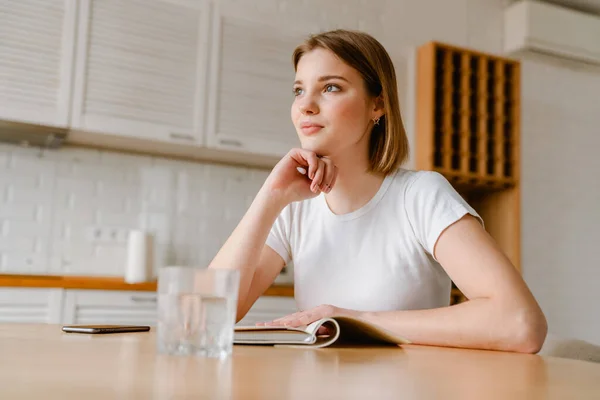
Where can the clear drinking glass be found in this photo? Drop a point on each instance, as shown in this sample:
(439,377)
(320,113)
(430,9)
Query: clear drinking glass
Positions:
(196,311)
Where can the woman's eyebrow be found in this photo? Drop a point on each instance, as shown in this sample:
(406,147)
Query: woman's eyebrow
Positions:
(326,78)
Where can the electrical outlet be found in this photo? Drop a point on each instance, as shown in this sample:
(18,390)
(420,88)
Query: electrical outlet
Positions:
(107,234)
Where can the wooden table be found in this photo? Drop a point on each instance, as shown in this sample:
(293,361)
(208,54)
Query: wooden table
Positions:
(39,361)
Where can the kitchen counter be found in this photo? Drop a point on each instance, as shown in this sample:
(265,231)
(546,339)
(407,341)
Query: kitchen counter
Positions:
(102,283)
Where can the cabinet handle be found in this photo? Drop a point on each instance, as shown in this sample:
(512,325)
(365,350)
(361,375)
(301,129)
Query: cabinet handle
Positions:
(138,299)
(182,136)
(231,142)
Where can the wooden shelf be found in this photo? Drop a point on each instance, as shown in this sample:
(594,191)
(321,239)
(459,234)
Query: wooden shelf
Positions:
(468,129)
(468,115)
(102,283)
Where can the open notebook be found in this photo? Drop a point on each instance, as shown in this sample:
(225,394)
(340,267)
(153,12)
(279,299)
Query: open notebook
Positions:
(342,330)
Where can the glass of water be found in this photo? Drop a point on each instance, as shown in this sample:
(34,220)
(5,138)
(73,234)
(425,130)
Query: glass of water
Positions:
(196,311)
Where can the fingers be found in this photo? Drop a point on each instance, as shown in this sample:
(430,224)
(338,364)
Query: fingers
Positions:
(306,158)
(313,164)
(324,331)
(330,175)
(306,317)
(321,170)
(293,320)
(318,178)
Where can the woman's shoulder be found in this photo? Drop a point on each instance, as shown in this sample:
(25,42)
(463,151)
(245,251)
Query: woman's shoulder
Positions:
(420,181)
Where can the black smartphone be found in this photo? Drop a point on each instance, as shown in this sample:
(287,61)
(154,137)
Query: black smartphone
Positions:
(105,328)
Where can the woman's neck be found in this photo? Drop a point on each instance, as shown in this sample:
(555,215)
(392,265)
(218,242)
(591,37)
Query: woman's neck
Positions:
(354,186)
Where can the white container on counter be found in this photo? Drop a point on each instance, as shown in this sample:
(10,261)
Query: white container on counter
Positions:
(138,267)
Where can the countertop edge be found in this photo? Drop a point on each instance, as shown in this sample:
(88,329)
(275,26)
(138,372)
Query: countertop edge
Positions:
(103,283)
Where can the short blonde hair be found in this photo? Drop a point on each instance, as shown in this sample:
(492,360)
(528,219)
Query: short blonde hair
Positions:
(388,144)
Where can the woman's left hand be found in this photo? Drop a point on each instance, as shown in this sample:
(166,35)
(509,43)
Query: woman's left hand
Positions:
(306,317)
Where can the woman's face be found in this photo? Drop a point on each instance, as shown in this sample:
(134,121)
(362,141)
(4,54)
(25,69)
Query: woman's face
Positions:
(332,110)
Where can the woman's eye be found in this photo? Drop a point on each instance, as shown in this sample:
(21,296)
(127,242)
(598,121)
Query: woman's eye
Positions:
(297,91)
(332,88)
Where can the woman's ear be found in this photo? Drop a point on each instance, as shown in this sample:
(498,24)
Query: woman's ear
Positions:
(378,107)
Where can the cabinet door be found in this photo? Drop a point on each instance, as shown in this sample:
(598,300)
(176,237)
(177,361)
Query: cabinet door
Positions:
(268,308)
(109,307)
(140,69)
(36,45)
(251,77)
(30,305)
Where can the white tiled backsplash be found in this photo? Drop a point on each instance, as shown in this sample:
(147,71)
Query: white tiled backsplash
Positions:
(68,211)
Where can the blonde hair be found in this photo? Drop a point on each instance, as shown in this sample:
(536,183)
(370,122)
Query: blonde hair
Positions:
(388,144)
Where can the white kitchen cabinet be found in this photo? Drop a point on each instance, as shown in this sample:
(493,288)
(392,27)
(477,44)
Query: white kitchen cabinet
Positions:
(37,38)
(268,308)
(109,307)
(30,305)
(84,306)
(141,69)
(251,80)
(132,307)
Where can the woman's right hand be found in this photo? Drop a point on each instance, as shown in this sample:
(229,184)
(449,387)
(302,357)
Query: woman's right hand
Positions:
(288,183)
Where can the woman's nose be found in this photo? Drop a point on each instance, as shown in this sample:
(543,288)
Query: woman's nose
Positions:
(308,106)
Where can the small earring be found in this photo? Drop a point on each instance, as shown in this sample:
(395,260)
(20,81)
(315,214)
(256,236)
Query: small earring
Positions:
(376,121)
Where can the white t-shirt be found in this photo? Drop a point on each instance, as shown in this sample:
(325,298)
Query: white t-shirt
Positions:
(377,258)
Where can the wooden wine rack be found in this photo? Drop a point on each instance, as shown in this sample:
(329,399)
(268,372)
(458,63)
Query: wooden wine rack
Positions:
(468,129)
(468,116)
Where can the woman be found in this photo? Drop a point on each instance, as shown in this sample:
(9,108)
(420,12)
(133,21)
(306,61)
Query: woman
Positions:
(367,237)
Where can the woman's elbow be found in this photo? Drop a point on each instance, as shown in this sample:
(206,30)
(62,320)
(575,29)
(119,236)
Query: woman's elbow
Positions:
(529,331)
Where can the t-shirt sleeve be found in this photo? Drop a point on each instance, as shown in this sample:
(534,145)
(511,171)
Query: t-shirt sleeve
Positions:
(279,236)
(432,204)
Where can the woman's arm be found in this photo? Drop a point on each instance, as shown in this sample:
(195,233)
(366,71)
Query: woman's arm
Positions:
(245,250)
(501,313)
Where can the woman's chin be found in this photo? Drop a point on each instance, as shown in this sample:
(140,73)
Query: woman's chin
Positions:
(320,149)
(321,152)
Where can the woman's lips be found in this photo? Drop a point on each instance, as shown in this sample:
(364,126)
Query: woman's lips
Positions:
(310,129)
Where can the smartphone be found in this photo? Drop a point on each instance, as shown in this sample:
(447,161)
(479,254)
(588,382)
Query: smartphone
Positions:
(105,328)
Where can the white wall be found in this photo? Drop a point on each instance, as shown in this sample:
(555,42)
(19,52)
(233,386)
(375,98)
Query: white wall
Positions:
(50,204)
(561,193)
